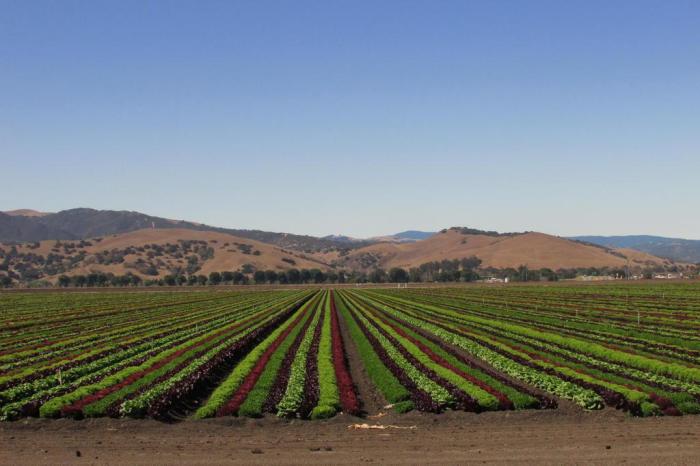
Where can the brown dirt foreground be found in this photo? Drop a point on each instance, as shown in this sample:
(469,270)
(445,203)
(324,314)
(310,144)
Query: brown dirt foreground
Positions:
(537,437)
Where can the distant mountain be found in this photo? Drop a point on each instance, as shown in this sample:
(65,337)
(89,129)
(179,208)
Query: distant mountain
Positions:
(21,228)
(408,236)
(682,250)
(413,235)
(345,239)
(83,223)
(26,213)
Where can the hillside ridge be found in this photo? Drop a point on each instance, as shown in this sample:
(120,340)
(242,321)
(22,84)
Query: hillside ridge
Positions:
(84,223)
(83,240)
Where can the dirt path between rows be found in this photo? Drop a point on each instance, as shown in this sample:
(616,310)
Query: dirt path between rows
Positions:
(371,400)
(534,437)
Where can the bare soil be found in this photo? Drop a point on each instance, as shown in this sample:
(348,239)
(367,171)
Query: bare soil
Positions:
(533,437)
(371,400)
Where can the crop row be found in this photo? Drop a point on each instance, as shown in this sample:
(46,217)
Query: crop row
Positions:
(579,368)
(298,353)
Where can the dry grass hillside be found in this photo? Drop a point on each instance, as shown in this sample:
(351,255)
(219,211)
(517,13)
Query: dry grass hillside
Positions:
(154,253)
(536,250)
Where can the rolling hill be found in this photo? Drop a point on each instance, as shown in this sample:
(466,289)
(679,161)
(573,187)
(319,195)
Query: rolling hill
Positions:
(83,223)
(536,250)
(40,245)
(152,253)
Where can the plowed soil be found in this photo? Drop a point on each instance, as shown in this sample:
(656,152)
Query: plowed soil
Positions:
(533,437)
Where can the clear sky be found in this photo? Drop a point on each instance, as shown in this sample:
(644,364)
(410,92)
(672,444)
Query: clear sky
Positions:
(357,117)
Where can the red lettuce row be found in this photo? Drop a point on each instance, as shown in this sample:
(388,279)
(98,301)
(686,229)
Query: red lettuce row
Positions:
(606,389)
(421,400)
(192,374)
(503,401)
(76,407)
(311,387)
(37,392)
(543,400)
(159,407)
(280,386)
(463,400)
(346,388)
(232,406)
(610,397)
(78,361)
(69,349)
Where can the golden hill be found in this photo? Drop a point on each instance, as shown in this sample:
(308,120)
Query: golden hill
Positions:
(536,250)
(157,252)
(154,253)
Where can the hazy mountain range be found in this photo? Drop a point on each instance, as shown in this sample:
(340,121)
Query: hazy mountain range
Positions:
(83,223)
(683,250)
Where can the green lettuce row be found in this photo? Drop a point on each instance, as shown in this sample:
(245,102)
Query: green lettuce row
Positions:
(329,396)
(41,387)
(424,383)
(65,310)
(617,369)
(580,329)
(483,398)
(294,394)
(581,396)
(520,400)
(99,408)
(237,314)
(255,400)
(86,340)
(13,410)
(53,407)
(76,372)
(679,338)
(227,388)
(594,349)
(612,381)
(138,406)
(632,395)
(381,376)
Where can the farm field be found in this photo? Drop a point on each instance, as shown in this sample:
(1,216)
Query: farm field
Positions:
(316,353)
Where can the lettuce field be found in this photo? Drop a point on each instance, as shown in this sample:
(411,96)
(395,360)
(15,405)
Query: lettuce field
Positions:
(301,352)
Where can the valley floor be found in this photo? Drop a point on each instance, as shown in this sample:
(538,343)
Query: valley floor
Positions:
(527,437)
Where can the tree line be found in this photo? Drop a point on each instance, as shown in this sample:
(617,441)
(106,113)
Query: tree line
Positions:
(467,269)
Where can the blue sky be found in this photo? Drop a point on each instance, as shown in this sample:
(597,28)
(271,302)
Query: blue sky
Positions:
(353,117)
